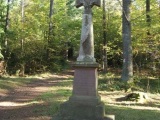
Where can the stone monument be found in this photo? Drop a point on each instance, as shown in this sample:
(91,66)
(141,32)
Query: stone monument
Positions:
(85,103)
(86,52)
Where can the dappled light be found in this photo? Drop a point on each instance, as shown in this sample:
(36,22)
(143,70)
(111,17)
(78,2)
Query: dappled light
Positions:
(16,104)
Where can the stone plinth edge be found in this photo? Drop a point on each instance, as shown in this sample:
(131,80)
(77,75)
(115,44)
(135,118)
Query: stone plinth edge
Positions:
(85,100)
(85,64)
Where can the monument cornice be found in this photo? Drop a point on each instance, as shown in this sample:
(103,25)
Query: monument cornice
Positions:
(85,64)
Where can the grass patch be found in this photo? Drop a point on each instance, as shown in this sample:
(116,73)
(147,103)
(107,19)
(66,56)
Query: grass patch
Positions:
(13,82)
(52,101)
(57,94)
(49,109)
(53,98)
(66,83)
(125,113)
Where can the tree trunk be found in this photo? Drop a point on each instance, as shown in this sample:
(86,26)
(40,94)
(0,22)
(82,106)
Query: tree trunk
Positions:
(50,20)
(105,64)
(70,51)
(50,31)
(127,71)
(148,18)
(22,65)
(6,30)
(150,41)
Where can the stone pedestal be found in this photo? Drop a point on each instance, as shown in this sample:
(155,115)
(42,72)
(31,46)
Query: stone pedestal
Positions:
(85,103)
(85,83)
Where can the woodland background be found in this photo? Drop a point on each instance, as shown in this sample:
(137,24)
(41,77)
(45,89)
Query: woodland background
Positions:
(41,35)
(39,39)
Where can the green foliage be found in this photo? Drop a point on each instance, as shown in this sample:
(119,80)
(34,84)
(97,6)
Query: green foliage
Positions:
(114,40)
(66,23)
(34,32)
(2,21)
(146,47)
(112,82)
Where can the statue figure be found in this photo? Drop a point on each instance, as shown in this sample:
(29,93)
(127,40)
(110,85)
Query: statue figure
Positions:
(86,52)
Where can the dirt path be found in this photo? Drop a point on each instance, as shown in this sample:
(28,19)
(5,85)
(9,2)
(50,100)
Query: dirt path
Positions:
(18,104)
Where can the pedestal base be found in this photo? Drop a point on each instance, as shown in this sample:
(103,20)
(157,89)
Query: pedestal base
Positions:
(75,111)
(85,103)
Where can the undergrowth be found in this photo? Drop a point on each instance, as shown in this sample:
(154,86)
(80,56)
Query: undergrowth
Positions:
(112,82)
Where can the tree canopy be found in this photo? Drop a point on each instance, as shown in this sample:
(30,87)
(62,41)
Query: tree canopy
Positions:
(65,34)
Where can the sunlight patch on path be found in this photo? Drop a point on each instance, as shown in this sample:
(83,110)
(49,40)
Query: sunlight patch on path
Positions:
(41,89)
(14,104)
(49,75)
(39,118)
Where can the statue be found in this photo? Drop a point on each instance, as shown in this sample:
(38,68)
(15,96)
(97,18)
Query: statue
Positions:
(86,52)
(85,102)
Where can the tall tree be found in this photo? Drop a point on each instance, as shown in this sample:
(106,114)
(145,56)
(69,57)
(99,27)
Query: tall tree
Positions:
(50,17)
(6,29)
(148,18)
(127,71)
(2,19)
(22,69)
(50,31)
(105,64)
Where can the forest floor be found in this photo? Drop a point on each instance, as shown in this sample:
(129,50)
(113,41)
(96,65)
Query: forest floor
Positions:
(18,102)
(39,97)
